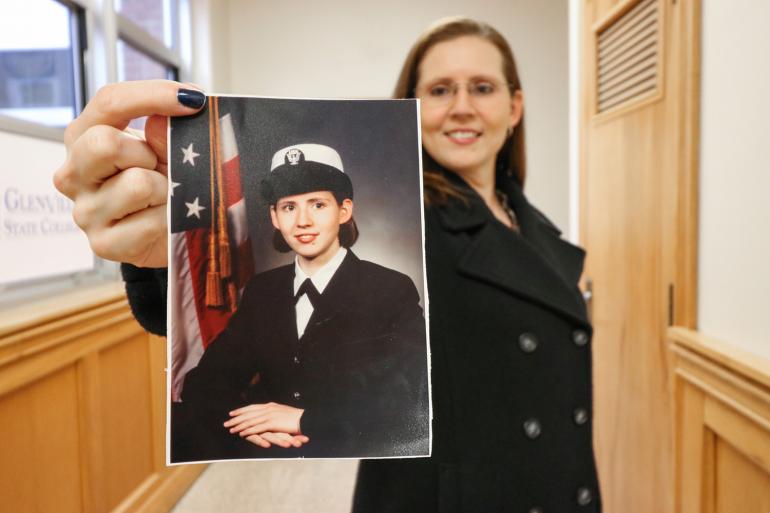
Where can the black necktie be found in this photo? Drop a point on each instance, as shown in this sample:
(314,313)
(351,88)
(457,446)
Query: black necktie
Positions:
(308,288)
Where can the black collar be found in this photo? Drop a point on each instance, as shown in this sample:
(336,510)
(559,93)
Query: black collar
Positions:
(556,264)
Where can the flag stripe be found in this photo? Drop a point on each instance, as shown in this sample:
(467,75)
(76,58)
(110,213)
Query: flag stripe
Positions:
(227,142)
(231,181)
(187,348)
(238,223)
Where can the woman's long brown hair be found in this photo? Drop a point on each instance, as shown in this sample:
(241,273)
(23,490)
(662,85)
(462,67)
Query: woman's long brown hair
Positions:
(511,157)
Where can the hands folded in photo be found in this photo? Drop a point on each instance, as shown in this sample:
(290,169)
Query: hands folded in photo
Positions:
(268,423)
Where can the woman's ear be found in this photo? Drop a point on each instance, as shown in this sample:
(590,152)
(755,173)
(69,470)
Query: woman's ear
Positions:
(517,108)
(346,210)
(274,217)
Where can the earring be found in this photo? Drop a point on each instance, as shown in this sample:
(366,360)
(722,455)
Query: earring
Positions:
(509,132)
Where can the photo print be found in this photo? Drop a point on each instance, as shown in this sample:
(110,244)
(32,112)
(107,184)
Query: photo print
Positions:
(297,292)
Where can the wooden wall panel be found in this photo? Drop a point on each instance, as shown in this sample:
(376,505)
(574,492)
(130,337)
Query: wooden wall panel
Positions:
(126,416)
(722,412)
(82,409)
(740,484)
(39,436)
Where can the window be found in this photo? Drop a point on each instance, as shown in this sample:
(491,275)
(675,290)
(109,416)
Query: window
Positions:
(156,17)
(54,55)
(147,47)
(40,67)
(133,64)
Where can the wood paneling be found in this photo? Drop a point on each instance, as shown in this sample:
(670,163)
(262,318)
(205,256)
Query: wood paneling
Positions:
(39,433)
(740,485)
(125,385)
(722,412)
(82,415)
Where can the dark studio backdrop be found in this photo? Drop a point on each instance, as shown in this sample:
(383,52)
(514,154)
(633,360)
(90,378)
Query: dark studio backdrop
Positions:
(378,143)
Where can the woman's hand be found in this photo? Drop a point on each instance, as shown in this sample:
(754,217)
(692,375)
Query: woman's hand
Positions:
(284,440)
(117,179)
(255,419)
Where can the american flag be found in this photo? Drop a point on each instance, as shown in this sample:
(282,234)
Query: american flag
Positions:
(210,258)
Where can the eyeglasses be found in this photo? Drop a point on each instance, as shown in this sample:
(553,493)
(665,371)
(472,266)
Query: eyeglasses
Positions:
(444,93)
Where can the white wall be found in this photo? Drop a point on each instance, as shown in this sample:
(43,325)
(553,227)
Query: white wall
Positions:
(210,29)
(734,253)
(347,48)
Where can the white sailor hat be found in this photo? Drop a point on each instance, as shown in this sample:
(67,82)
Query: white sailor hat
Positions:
(306,167)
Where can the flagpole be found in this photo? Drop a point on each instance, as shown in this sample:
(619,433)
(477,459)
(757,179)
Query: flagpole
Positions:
(225,258)
(213,279)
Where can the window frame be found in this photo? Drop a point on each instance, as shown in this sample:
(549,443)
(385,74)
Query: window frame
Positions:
(79,47)
(96,28)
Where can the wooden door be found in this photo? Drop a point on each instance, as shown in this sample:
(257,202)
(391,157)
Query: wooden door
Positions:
(638,219)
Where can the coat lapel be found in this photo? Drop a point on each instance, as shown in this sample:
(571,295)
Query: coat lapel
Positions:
(285,315)
(537,264)
(565,258)
(334,300)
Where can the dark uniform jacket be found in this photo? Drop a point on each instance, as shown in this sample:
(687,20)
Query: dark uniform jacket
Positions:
(510,371)
(359,371)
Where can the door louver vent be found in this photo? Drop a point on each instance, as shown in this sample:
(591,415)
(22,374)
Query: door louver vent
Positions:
(628,53)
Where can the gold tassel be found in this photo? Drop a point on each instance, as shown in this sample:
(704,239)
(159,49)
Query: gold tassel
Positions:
(232,296)
(224,259)
(214,289)
(225,262)
(214,295)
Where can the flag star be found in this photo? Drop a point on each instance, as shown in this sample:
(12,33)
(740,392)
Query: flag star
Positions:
(174,185)
(193,209)
(189,155)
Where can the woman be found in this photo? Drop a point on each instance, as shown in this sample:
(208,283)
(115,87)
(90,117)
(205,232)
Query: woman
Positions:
(510,340)
(511,362)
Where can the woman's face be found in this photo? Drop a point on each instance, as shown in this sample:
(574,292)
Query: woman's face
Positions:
(466,105)
(310,223)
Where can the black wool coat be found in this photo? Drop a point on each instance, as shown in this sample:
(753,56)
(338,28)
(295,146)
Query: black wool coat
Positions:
(359,371)
(511,372)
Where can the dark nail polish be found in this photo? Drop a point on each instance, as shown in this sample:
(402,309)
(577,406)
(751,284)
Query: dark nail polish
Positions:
(191,98)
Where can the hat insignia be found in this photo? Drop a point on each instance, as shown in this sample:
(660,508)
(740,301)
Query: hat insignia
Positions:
(293,156)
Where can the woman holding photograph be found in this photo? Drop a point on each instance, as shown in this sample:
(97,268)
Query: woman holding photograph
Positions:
(510,339)
(510,351)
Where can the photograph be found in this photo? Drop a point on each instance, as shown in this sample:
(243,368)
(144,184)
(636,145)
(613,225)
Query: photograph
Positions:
(296,283)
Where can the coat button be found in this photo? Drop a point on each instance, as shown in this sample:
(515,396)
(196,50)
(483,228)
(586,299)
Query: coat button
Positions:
(297,395)
(580,415)
(532,428)
(580,337)
(536,510)
(527,342)
(296,360)
(584,496)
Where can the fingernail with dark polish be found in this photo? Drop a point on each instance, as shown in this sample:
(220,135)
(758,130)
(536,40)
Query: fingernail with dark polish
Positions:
(191,98)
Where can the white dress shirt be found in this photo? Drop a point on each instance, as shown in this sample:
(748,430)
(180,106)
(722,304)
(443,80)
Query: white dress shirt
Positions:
(320,279)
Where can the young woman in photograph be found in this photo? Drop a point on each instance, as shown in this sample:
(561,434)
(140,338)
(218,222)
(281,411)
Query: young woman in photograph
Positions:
(510,338)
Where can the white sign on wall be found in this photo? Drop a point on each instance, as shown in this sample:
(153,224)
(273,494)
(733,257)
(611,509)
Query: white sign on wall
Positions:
(38,238)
